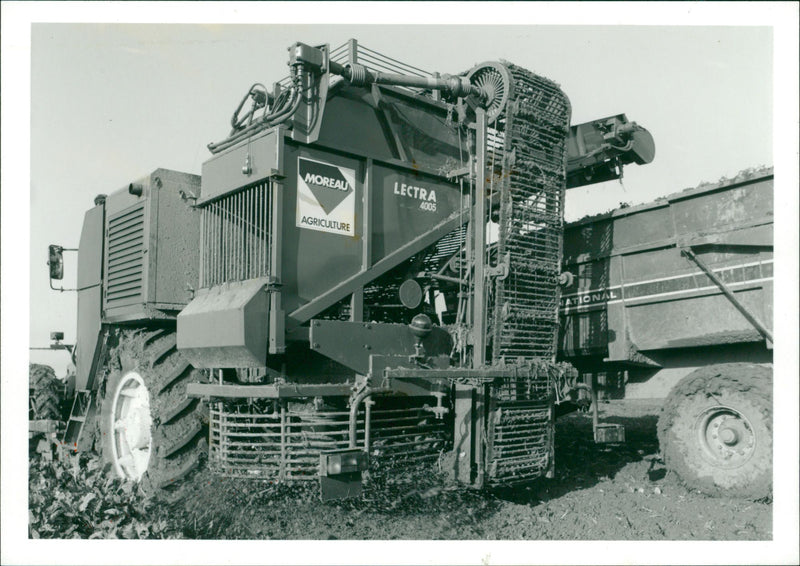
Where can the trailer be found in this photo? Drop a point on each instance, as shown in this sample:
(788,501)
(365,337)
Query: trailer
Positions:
(673,299)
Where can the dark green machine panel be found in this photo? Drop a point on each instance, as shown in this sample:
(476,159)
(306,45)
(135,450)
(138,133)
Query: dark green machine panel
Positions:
(90,273)
(353,123)
(337,213)
(151,247)
(407,204)
(386,123)
(322,240)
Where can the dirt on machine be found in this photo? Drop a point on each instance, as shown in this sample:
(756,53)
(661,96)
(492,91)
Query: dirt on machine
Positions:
(325,299)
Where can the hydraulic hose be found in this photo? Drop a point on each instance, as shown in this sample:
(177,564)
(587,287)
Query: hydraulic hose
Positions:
(260,100)
(277,116)
(357,75)
(266,122)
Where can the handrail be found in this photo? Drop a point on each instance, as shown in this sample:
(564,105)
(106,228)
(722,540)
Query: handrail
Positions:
(371,59)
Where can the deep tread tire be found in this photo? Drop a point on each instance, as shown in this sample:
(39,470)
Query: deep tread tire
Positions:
(178,427)
(743,391)
(47,393)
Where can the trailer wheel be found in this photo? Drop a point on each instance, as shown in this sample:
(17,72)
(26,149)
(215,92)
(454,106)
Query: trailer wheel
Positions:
(150,432)
(715,430)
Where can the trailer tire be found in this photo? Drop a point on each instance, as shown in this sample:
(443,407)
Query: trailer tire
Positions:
(715,430)
(149,430)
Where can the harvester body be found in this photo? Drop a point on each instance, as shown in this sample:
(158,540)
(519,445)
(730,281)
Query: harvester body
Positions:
(329,272)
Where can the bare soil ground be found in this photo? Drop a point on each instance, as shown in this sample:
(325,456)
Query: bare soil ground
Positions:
(600,492)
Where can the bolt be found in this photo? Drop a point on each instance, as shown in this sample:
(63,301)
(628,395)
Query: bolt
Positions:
(729,436)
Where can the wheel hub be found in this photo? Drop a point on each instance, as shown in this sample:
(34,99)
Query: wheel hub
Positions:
(726,436)
(495,82)
(729,436)
(131,427)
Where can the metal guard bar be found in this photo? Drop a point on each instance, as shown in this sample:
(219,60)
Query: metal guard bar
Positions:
(282,391)
(488,375)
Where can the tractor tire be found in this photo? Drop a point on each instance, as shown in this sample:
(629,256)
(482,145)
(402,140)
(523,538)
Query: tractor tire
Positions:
(149,430)
(47,394)
(715,430)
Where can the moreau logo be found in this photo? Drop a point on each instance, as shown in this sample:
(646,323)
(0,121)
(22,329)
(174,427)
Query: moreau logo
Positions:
(326,197)
(326,182)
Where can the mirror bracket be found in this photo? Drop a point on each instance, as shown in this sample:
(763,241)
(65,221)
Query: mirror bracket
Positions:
(55,263)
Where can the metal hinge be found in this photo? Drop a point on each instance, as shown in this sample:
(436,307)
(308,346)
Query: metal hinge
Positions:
(273,285)
(276,174)
(500,270)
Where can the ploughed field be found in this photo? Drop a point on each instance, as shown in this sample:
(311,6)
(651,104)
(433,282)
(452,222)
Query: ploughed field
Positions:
(600,492)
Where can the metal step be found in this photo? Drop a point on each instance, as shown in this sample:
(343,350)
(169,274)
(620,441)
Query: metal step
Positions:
(609,433)
(83,410)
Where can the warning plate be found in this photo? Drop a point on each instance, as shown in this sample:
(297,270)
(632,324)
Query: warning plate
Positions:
(325,197)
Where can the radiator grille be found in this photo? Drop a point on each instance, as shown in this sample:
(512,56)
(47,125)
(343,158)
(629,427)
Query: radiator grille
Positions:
(125,271)
(235,237)
(524,315)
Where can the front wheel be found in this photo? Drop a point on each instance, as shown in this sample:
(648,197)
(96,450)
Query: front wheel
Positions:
(150,432)
(715,430)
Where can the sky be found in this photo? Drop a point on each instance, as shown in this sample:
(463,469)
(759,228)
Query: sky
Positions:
(93,106)
(110,103)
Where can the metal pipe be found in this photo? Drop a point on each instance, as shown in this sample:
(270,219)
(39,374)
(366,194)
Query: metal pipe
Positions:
(247,241)
(595,408)
(282,465)
(359,75)
(442,277)
(688,252)
(480,448)
(352,51)
(223,430)
(368,424)
(478,223)
(361,396)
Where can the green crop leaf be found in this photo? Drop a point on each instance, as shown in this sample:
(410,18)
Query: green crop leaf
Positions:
(85,501)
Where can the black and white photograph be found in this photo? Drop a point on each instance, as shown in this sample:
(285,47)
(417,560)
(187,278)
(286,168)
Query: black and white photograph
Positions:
(400,283)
